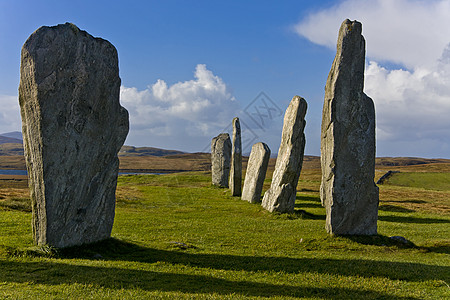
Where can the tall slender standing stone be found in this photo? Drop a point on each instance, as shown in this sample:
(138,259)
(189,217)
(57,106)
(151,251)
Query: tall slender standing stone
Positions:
(73,128)
(236,160)
(283,189)
(348,191)
(220,159)
(256,173)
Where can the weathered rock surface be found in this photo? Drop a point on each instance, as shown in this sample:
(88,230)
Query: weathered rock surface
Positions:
(73,127)
(283,189)
(236,160)
(348,191)
(256,173)
(220,159)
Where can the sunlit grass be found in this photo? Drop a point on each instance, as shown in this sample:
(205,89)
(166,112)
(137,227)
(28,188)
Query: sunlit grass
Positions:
(429,181)
(176,236)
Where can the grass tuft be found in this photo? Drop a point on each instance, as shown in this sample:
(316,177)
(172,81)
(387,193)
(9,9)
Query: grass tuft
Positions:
(35,251)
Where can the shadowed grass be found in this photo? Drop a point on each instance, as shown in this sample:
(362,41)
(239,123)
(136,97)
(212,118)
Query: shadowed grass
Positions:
(178,271)
(147,282)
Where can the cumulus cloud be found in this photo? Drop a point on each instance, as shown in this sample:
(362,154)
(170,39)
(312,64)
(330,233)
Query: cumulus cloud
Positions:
(413,102)
(408,32)
(9,114)
(183,116)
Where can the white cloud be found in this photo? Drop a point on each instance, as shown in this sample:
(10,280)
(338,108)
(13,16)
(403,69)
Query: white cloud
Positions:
(185,115)
(9,114)
(408,32)
(410,105)
(413,103)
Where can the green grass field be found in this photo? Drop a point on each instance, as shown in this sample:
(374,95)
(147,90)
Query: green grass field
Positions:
(176,236)
(426,180)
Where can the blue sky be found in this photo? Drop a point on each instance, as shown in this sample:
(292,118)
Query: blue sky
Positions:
(189,67)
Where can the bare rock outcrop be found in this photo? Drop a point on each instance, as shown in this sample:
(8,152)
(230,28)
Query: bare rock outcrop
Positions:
(256,173)
(348,191)
(220,159)
(73,127)
(283,189)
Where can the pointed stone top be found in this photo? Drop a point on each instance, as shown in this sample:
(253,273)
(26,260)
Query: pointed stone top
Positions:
(351,26)
(236,125)
(348,65)
(301,103)
(350,37)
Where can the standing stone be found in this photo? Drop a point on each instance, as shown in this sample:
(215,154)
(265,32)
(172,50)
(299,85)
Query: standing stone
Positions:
(236,160)
(220,159)
(73,127)
(348,191)
(256,173)
(281,195)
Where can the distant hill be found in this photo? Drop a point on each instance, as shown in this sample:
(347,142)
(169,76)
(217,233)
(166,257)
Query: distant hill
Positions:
(14,135)
(4,140)
(146,151)
(386,161)
(12,146)
(11,149)
(408,161)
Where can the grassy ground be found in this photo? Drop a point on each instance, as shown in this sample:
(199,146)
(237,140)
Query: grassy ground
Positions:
(176,236)
(426,180)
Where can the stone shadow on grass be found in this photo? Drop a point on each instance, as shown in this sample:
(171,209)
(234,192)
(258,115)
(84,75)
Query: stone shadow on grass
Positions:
(303,214)
(394,208)
(411,201)
(308,202)
(307,198)
(114,249)
(416,220)
(56,273)
(438,248)
(308,205)
(379,240)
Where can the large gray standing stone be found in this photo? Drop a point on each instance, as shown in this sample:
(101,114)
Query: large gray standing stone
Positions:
(236,160)
(348,191)
(283,189)
(256,173)
(73,127)
(220,159)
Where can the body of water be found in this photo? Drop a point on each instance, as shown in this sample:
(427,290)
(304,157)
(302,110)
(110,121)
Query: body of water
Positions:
(13,172)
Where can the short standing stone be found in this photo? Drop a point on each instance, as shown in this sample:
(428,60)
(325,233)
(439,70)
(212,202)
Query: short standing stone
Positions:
(348,191)
(220,159)
(73,127)
(256,173)
(283,189)
(236,160)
